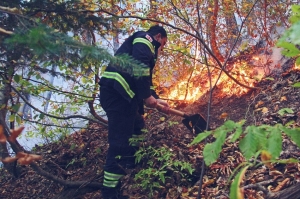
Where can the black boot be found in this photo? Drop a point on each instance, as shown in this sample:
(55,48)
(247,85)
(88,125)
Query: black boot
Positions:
(109,193)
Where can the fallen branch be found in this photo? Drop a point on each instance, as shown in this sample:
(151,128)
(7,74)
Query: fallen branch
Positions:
(66,183)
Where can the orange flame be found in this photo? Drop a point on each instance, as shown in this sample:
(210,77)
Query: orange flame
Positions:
(226,85)
(247,75)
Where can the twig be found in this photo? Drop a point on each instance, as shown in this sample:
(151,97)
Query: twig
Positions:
(6,31)
(53,116)
(93,112)
(70,184)
(64,172)
(259,186)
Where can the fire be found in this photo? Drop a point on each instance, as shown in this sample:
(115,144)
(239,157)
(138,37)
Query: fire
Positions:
(189,92)
(241,71)
(256,58)
(180,92)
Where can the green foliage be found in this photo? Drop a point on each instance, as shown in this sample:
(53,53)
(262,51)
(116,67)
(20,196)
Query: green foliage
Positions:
(295,14)
(235,192)
(201,137)
(44,41)
(148,179)
(253,141)
(270,78)
(284,111)
(293,134)
(171,123)
(290,39)
(296,85)
(71,162)
(211,151)
(250,143)
(98,150)
(159,162)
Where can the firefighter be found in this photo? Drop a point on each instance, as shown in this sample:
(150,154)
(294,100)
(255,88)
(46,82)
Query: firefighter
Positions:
(123,96)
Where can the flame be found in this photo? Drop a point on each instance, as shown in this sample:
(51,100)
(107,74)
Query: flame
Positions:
(188,92)
(180,92)
(256,58)
(193,90)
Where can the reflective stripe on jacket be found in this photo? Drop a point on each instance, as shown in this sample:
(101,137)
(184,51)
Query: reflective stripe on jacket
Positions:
(142,47)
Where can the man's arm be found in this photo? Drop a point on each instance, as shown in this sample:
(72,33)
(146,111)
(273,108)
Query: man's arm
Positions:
(142,52)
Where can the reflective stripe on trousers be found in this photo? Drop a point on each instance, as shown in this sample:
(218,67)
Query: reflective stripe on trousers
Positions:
(111,180)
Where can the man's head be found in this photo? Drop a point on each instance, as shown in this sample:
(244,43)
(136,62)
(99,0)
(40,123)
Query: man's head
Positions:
(159,34)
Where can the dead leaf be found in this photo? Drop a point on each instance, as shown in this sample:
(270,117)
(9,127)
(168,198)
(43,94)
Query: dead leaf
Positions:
(208,182)
(25,158)
(281,185)
(264,110)
(276,107)
(283,98)
(259,103)
(2,136)
(259,109)
(265,158)
(223,115)
(275,173)
(15,133)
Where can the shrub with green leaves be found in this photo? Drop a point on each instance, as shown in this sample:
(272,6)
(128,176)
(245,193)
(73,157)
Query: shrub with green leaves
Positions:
(252,142)
(290,40)
(160,162)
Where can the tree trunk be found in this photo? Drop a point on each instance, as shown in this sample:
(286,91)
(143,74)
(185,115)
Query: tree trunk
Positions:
(4,97)
(213,30)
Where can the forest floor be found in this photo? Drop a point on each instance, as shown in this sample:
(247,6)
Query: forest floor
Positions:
(164,170)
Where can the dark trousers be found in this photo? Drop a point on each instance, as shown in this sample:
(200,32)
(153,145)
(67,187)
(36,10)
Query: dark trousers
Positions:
(123,122)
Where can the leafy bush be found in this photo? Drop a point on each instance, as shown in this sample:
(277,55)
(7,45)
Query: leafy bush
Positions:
(160,162)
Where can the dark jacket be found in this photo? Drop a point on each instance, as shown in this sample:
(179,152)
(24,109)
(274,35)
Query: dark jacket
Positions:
(142,47)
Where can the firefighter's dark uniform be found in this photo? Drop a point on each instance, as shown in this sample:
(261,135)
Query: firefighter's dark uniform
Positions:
(121,96)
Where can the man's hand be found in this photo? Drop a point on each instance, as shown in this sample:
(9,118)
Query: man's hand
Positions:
(163,102)
(165,108)
(151,102)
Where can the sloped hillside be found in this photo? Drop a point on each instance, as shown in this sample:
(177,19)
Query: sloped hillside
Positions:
(167,159)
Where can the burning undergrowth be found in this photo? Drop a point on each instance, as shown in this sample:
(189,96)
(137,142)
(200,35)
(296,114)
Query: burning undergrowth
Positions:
(241,74)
